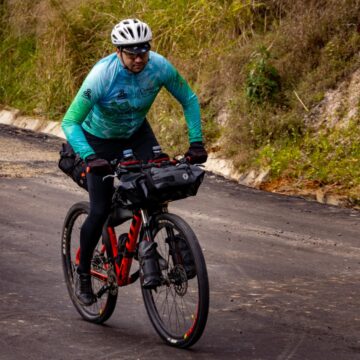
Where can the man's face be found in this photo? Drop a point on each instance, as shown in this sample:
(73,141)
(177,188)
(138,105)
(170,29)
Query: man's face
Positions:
(134,62)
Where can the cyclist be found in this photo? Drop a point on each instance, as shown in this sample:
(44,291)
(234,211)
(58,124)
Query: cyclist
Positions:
(108,115)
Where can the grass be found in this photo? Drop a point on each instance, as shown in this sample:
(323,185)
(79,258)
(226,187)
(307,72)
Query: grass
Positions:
(15,84)
(332,157)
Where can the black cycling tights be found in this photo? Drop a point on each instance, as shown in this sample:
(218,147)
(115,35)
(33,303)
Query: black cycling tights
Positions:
(100,191)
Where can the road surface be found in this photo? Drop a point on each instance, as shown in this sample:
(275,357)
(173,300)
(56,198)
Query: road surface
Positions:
(284,272)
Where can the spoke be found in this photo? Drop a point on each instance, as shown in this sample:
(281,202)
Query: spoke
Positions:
(97,262)
(164,303)
(171,310)
(176,302)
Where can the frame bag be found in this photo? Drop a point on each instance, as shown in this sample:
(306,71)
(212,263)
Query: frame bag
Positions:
(72,165)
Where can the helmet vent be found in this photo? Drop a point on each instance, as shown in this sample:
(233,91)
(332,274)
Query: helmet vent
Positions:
(130,32)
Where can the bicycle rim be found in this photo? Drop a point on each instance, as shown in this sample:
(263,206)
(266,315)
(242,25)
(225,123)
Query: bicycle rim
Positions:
(102,309)
(178,309)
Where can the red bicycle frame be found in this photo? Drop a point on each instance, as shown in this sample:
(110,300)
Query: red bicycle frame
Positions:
(122,269)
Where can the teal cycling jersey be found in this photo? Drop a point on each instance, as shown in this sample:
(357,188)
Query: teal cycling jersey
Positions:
(113,102)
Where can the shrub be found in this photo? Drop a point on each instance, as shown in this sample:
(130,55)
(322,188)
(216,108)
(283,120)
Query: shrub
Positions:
(263,80)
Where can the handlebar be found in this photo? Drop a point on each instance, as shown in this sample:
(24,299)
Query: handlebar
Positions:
(137,165)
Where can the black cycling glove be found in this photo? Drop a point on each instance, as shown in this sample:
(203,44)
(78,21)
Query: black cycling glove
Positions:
(97,166)
(196,153)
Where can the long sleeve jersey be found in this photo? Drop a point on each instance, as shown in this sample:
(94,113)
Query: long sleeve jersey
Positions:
(113,102)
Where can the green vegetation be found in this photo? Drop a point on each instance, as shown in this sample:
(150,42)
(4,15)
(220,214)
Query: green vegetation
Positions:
(329,160)
(332,157)
(258,67)
(263,80)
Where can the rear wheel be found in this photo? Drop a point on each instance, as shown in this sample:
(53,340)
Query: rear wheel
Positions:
(103,277)
(179,308)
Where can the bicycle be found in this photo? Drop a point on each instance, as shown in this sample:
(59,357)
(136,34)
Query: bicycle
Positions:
(178,307)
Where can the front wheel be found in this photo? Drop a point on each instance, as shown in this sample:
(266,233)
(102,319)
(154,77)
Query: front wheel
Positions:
(102,274)
(178,309)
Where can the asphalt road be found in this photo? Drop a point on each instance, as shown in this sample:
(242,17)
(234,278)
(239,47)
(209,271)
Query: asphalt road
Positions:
(284,272)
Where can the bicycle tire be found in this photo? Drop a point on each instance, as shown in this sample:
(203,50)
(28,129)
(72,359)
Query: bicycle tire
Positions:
(193,309)
(100,311)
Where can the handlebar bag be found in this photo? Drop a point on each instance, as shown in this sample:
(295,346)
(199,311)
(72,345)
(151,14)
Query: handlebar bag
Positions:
(160,184)
(174,182)
(129,189)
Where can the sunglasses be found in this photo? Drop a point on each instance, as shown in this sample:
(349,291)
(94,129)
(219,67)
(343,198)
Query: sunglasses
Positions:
(134,56)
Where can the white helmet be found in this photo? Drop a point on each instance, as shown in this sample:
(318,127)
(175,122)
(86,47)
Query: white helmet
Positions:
(130,32)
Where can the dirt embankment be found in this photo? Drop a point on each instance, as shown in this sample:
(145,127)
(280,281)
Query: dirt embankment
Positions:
(338,108)
(22,152)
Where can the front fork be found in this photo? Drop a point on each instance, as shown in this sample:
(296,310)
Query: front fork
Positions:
(146,221)
(151,261)
(145,225)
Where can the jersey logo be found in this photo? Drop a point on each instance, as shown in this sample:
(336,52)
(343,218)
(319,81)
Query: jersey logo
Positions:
(122,95)
(87,94)
(144,92)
